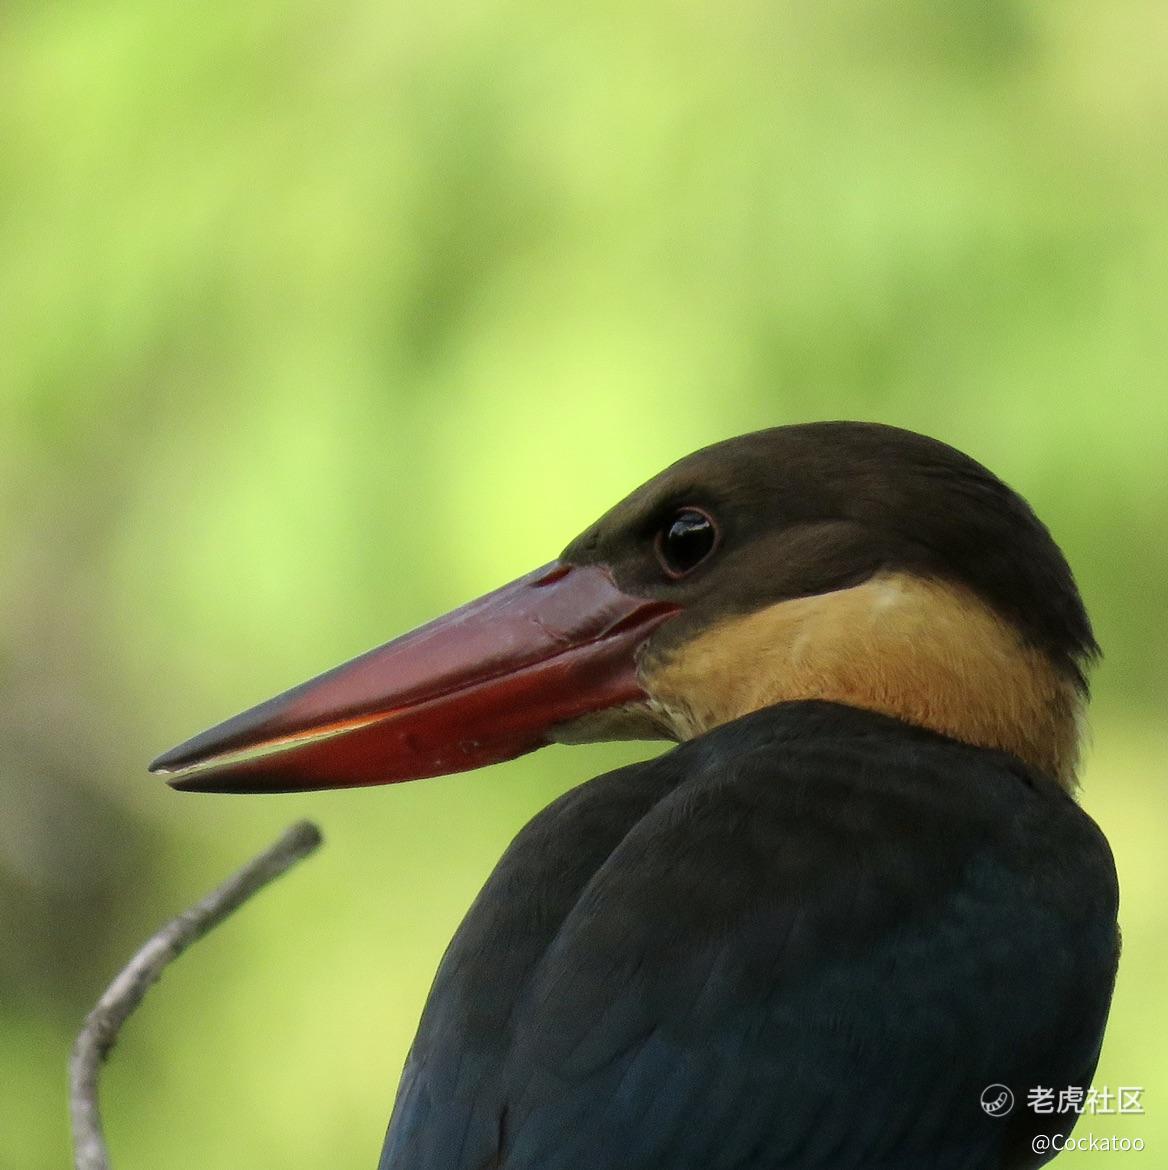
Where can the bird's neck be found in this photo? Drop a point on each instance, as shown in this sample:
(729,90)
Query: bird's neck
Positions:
(925,651)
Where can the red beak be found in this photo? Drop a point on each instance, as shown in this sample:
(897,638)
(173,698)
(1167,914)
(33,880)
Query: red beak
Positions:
(484,683)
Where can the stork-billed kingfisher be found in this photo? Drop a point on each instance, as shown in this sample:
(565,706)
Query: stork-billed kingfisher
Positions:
(857,893)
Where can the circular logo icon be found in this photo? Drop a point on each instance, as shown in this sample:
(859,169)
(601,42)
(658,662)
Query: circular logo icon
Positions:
(997,1100)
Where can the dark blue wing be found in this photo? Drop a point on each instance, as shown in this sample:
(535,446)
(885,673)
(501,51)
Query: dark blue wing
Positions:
(450,1108)
(784,945)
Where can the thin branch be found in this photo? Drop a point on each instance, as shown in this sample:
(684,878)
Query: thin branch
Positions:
(126,992)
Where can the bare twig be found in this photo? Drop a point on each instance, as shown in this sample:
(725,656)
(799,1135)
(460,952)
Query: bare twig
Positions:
(126,992)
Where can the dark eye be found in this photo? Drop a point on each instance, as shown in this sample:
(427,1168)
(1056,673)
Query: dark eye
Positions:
(685,540)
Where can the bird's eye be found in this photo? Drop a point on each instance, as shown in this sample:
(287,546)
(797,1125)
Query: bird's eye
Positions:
(685,540)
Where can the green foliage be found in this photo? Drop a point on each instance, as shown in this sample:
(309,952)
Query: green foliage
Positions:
(318,320)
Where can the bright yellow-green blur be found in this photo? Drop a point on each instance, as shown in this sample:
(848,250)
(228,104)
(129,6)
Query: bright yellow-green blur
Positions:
(316,320)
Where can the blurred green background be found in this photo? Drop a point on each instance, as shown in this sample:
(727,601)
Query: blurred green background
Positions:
(316,320)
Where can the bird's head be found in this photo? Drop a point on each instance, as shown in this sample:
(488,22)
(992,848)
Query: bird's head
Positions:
(848,562)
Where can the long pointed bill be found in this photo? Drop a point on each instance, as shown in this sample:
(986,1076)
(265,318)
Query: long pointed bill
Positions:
(485,683)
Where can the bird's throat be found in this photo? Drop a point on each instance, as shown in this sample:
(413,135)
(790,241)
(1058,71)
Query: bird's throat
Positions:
(925,651)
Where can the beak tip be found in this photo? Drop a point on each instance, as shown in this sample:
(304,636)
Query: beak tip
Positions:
(182,783)
(167,768)
(197,749)
(169,761)
(176,766)
(228,783)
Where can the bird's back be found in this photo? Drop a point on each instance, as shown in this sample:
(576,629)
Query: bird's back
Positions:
(809,938)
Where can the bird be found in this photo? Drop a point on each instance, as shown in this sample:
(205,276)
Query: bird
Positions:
(849,921)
